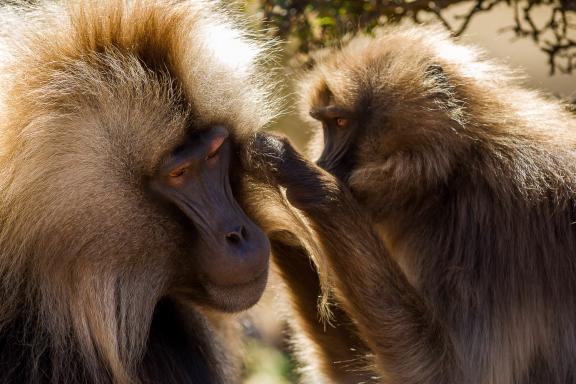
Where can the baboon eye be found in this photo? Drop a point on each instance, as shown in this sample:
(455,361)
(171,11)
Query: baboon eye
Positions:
(341,121)
(178,172)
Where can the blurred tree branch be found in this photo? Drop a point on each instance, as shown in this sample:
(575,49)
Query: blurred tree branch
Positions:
(313,24)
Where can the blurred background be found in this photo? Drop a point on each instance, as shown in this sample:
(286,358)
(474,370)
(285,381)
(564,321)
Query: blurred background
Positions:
(535,37)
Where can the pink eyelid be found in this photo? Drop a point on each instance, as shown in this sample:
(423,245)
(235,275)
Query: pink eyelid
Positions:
(215,145)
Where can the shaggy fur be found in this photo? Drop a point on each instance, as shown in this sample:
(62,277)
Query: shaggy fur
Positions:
(456,259)
(93,94)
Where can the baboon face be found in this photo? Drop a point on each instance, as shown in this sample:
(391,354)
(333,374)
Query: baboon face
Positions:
(344,127)
(154,197)
(230,253)
(335,98)
(340,129)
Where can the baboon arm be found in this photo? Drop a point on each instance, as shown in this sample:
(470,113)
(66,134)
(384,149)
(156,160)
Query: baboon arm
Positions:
(341,354)
(410,345)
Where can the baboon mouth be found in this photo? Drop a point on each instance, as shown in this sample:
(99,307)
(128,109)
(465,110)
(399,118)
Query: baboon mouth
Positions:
(254,280)
(238,297)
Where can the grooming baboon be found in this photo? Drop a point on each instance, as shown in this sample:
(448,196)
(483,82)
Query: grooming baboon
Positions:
(121,244)
(454,253)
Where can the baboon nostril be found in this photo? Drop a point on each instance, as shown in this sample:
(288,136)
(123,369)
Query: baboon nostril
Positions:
(237,235)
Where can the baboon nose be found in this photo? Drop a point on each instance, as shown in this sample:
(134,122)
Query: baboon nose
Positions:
(242,258)
(237,235)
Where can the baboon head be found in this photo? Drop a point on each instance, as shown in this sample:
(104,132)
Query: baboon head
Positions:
(398,105)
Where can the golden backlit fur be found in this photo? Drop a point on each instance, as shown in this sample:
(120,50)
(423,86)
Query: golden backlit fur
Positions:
(454,262)
(93,93)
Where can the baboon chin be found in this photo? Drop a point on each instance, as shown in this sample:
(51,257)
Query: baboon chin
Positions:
(443,202)
(121,231)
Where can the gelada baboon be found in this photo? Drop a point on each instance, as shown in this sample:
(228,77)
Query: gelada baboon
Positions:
(446,214)
(122,246)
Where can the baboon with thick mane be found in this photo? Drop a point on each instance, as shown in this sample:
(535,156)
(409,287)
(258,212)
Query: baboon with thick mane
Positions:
(121,243)
(445,210)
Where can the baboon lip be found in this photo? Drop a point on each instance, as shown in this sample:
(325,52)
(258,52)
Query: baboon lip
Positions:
(238,297)
(248,283)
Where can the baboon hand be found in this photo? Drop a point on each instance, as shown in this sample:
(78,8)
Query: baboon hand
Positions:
(276,160)
(273,157)
(266,154)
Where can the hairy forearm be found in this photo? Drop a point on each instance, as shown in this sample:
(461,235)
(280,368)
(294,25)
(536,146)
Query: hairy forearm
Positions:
(410,344)
(342,354)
